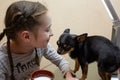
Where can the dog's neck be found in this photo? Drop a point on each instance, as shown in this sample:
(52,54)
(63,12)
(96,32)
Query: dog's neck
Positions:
(78,48)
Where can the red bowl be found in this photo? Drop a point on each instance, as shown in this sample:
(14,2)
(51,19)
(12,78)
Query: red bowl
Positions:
(42,73)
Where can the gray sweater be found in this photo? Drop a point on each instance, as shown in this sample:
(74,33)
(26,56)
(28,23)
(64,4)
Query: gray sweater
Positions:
(25,64)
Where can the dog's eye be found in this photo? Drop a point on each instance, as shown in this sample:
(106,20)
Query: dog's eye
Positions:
(65,45)
(67,48)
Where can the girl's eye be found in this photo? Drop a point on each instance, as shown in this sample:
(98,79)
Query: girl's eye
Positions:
(47,30)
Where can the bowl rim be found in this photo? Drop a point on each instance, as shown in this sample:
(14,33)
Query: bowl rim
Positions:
(44,73)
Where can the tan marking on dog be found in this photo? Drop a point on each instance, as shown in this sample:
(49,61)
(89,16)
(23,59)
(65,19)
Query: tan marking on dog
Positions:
(70,50)
(64,52)
(108,76)
(77,65)
(105,75)
(84,72)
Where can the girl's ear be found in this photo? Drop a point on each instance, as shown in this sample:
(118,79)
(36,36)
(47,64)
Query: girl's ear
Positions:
(82,37)
(67,30)
(25,35)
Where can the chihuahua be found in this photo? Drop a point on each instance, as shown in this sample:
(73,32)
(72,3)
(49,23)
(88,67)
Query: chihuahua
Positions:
(86,49)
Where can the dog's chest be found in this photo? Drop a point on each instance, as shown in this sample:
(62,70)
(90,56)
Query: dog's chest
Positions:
(74,54)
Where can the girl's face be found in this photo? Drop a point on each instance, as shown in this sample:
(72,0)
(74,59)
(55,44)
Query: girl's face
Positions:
(43,32)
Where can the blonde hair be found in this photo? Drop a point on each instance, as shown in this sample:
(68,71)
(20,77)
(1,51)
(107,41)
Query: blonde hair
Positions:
(22,15)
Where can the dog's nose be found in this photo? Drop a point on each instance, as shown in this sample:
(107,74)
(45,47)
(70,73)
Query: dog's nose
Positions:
(58,51)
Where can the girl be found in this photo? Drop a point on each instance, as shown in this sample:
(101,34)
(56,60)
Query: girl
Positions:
(28,30)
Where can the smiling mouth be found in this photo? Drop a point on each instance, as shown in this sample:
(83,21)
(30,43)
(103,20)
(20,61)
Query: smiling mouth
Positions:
(48,40)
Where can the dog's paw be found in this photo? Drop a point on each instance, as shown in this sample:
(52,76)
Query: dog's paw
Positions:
(74,71)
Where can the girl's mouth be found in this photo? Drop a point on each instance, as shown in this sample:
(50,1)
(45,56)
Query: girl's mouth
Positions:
(48,40)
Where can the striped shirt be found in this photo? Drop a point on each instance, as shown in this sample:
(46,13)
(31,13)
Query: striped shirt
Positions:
(25,64)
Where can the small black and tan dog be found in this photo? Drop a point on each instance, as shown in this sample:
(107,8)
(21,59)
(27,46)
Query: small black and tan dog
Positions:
(87,49)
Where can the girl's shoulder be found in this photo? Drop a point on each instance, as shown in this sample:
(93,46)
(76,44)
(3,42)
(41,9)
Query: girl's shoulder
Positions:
(3,53)
(4,62)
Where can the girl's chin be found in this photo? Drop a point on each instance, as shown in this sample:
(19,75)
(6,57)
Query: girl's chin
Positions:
(45,45)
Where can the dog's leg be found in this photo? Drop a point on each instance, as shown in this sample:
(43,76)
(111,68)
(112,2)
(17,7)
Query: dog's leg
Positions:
(84,71)
(101,75)
(77,65)
(105,76)
(108,76)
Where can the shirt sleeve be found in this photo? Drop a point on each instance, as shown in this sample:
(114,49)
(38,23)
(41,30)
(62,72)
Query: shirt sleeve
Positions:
(57,59)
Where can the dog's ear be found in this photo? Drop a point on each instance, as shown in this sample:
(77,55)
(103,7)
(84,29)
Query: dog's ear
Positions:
(82,37)
(67,30)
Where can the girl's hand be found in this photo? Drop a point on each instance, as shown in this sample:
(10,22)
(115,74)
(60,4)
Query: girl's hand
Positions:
(70,77)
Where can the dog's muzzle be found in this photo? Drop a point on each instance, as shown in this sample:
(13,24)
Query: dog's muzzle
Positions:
(59,51)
